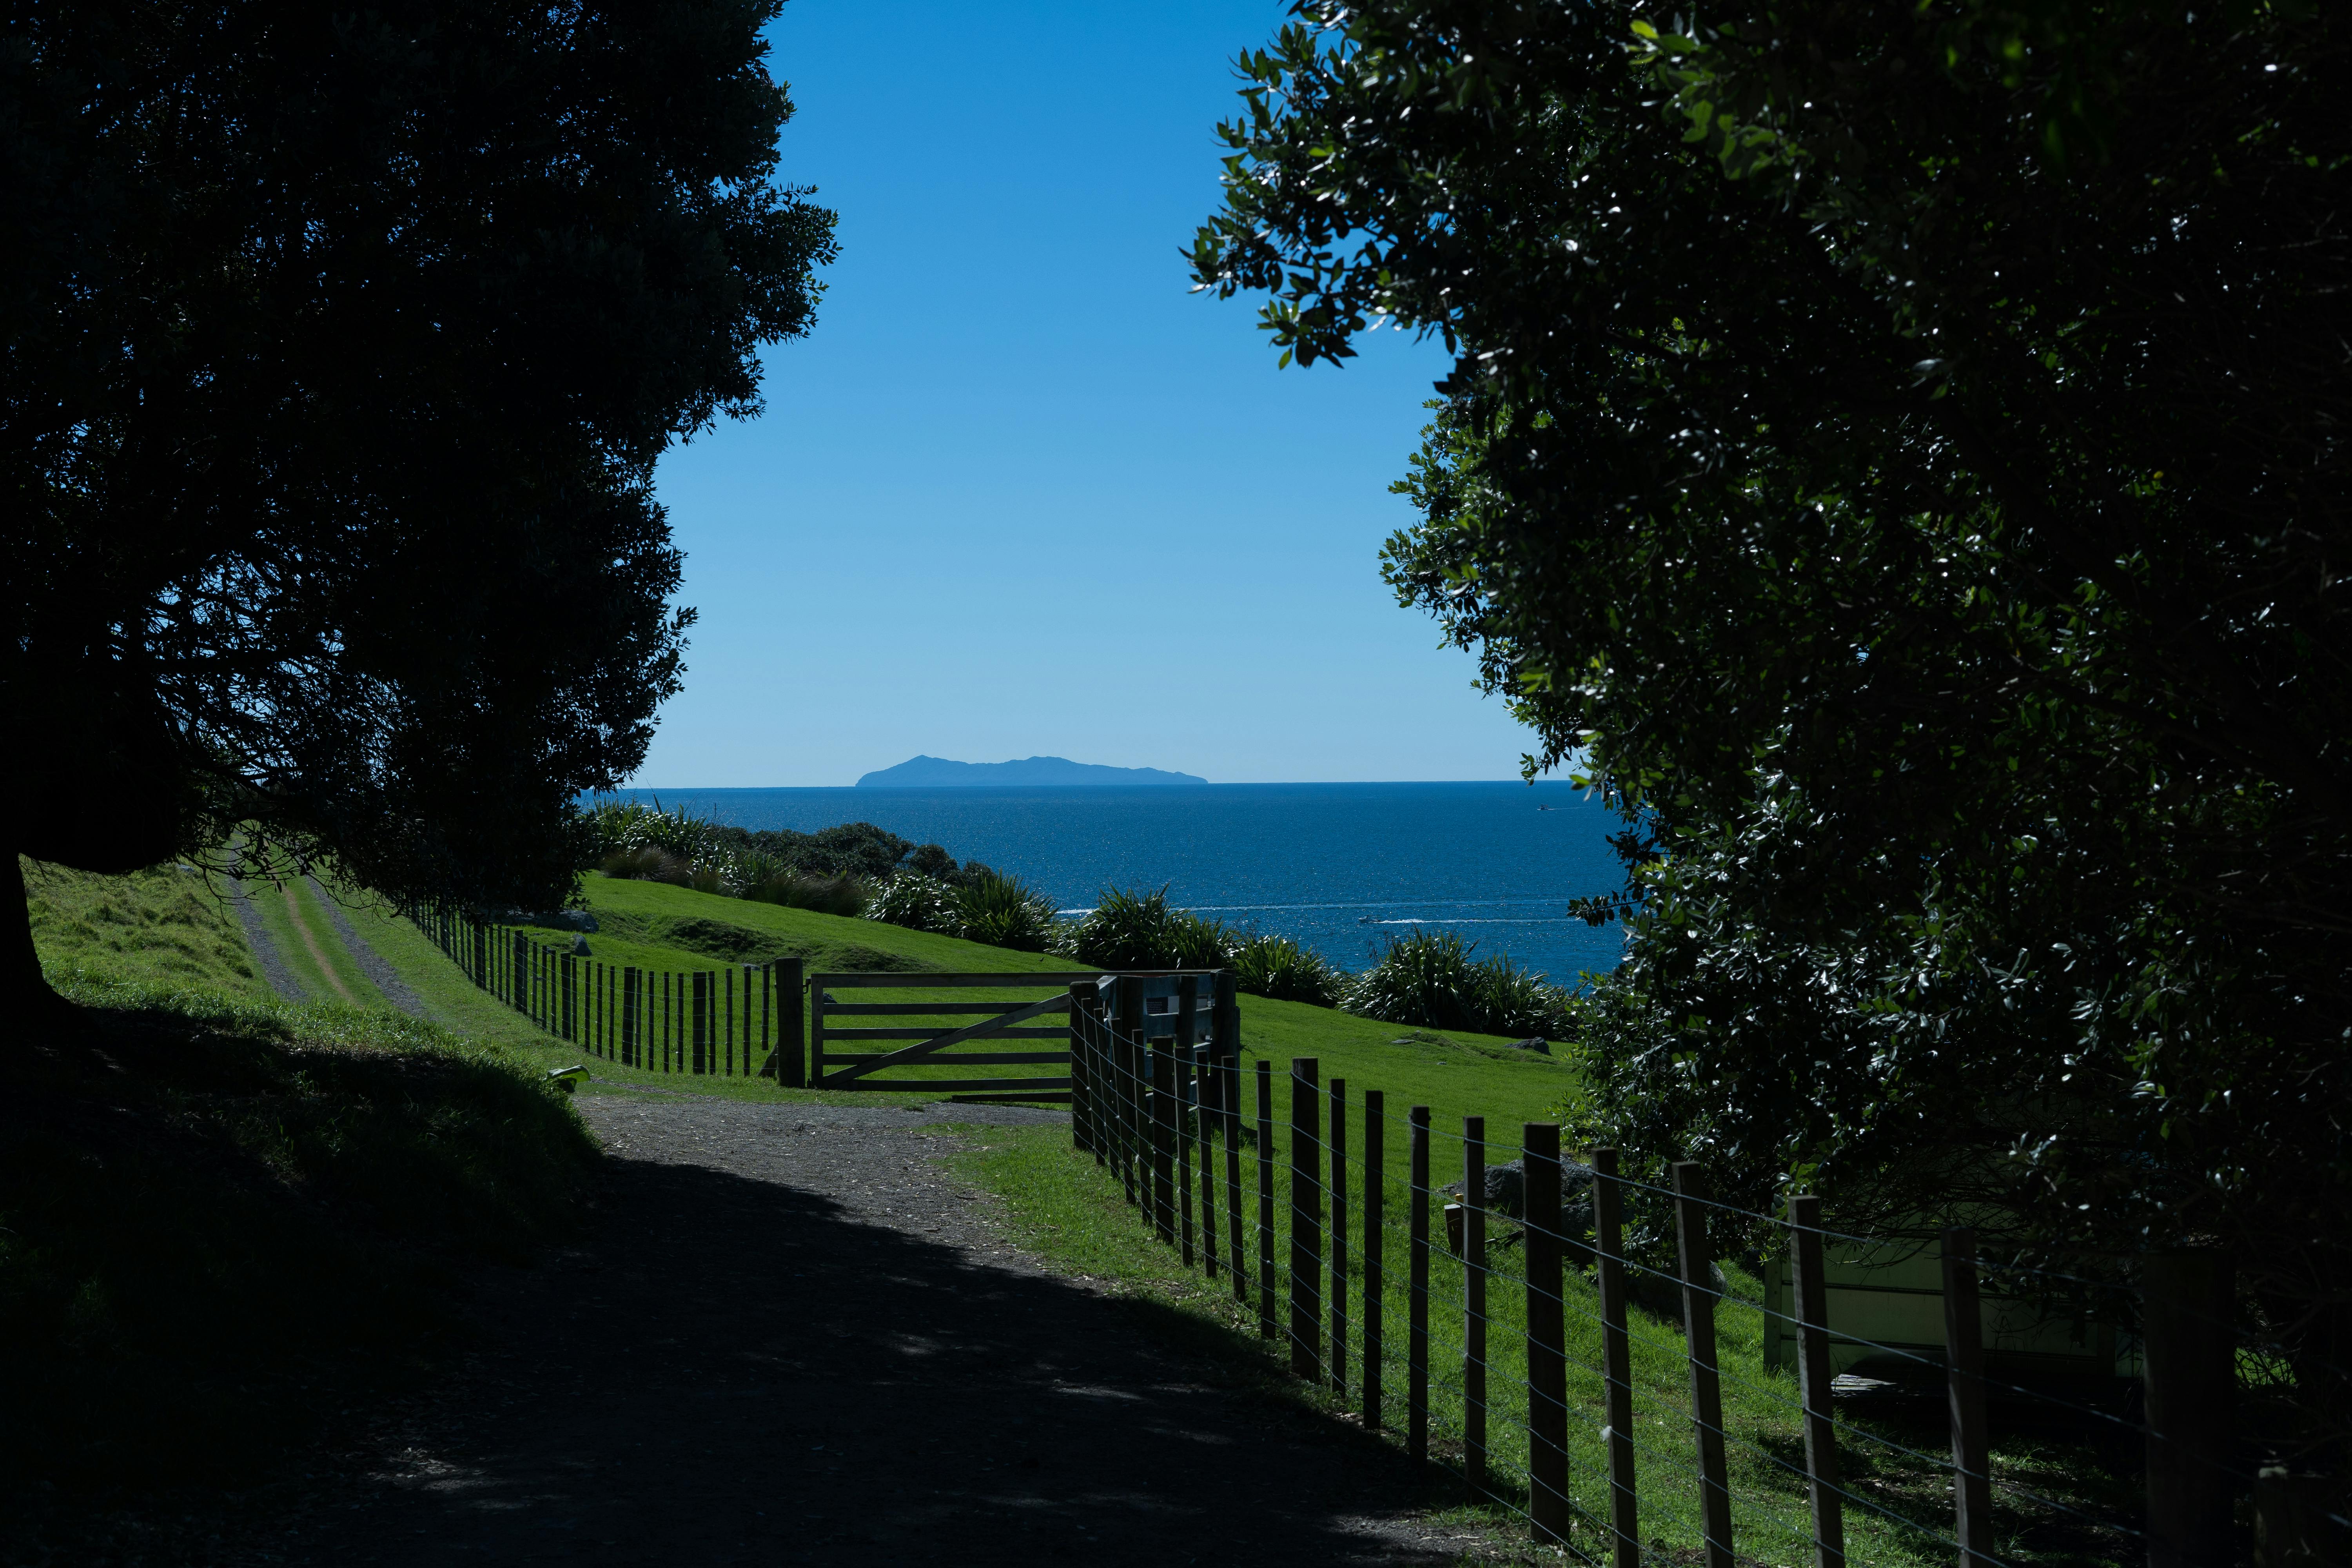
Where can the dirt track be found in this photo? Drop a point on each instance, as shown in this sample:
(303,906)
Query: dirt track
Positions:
(791,1336)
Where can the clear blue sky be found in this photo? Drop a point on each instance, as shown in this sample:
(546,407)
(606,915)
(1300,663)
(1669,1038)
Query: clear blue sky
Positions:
(1020,492)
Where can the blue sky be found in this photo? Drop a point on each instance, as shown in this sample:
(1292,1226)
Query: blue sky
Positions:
(1020,492)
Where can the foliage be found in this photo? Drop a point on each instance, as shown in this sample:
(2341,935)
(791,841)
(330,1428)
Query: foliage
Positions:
(1002,911)
(1428,978)
(1139,930)
(339,352)
(1898,450)
(916,902)
(1278,967)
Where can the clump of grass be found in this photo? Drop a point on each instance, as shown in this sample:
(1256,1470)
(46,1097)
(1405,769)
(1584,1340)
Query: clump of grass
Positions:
(1431,979)
(797,891)
(1002,911)
(211,1208)
(1277,967)
(1139,930)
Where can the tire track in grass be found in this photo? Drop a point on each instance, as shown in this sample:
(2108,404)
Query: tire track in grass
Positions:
(311,941)
(387,979)
(266,953)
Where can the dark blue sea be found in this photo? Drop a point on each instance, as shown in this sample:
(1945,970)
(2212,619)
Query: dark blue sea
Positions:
(1336,866)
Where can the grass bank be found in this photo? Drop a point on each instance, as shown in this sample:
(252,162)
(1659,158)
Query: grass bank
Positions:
(225,1219)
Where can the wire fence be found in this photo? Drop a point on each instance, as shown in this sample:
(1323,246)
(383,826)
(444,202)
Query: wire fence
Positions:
(1524,1367)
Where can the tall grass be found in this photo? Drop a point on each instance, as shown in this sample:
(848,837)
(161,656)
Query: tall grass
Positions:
(1430,980)
(1277,967)
(1139,930)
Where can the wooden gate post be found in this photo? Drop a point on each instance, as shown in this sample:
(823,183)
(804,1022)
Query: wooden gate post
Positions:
(2190,1351)
(1964,1378)
(1375,1241)
(1474,1305)
(1416,1309)
(1225,1032)
(1547,1335)
(1306,1223)
(1814,1375)
(1338,1140)
(1705,1380)
(1616,1359)
(1082,1068)
(791,1049)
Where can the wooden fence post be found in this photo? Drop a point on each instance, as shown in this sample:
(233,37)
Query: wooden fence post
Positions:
(1416,1295)
(1225,1035)
(1547,1334)
(1265,1318)
(1188,999)
(2190,1351)
(1705,1380)
(1163,1139)
(1204,1078)
(1306,1223)
(1375,1240)
(1474,1304)
(1128,1045)
(1616,1358)
(1338,1141)
(1230,1071)
(1964,1380)
(1814,1375)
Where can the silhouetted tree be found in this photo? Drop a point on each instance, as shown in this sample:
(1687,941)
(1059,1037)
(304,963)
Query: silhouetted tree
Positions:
(340,348)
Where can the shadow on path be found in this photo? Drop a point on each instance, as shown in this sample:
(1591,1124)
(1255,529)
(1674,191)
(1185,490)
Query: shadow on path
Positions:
(737,1368)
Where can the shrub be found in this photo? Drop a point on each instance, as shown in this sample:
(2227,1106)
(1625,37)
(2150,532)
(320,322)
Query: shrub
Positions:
(1429,980)
(915,902)
(1003,911)
(1127,930)
(1277,967)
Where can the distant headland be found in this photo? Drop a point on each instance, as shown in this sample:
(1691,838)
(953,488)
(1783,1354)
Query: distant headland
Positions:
(935,772)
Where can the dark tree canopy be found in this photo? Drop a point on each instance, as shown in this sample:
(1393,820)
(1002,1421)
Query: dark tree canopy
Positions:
(340,348)
(1901,450)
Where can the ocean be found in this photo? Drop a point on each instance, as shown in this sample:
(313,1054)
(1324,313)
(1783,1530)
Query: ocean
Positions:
(1337,867)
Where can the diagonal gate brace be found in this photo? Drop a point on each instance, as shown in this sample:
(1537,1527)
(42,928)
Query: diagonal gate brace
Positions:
(923,1049)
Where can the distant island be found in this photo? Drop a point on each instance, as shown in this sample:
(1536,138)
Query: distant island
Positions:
(935,772)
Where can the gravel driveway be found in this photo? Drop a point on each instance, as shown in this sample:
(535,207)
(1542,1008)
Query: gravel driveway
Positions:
(790,1335)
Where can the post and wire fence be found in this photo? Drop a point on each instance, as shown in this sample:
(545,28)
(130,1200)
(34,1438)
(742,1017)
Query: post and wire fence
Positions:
(744,1020)
(1526,1370)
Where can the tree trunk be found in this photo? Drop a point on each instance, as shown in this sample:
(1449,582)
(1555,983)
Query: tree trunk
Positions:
(29,1007)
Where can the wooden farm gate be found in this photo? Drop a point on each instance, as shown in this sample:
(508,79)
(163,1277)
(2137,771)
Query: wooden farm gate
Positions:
(1030,1019)
(1023,1019)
